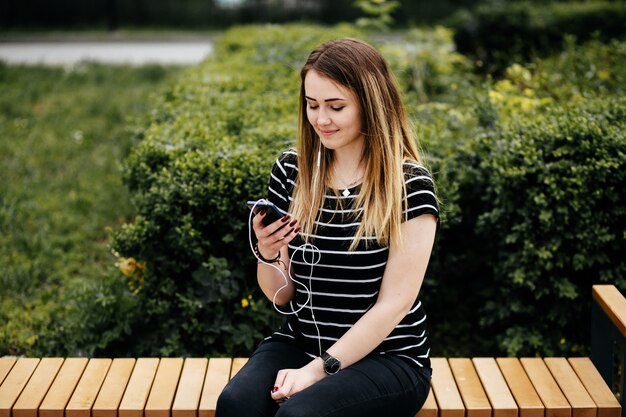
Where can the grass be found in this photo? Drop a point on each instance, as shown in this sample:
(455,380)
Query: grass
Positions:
(63,136)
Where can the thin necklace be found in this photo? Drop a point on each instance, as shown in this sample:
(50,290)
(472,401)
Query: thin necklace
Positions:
(346,191)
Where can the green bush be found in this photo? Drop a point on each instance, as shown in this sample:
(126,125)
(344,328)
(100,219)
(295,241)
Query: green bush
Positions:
(209,148)
(549,218)
(463,265)
(213,137)
(426,67)
(185,283)
(496,35)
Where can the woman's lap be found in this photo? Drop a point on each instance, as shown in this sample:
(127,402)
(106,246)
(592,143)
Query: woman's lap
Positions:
(376,385)
(248,393)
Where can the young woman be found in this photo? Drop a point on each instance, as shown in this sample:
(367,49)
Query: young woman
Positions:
(360,217)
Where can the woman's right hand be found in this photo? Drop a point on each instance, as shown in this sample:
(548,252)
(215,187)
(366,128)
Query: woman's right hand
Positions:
(275,236)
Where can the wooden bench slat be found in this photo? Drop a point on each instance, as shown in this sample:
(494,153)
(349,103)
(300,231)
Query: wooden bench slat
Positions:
(113,388)
(429,409)
(495,386)
(38,385)
(192,379)
(526,397)
(5,366)
(608,406)
(88,387)
(60,392)
(478,387)
(470,388)
(164,388)
(217,376)
(613,303)
(548,390)
(138,388)
(575,392)
(238,363)
(446,393)
(15,382)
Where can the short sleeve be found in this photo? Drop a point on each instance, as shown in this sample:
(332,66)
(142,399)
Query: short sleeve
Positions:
(420,192)
(282,180)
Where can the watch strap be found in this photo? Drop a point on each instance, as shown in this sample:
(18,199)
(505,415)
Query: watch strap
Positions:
(331,364)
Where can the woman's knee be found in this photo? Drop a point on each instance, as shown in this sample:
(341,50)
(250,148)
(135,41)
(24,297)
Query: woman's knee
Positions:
(239,399)
(231,403)
(293,410)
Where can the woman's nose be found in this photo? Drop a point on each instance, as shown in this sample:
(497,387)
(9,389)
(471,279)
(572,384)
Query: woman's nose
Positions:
(323,118)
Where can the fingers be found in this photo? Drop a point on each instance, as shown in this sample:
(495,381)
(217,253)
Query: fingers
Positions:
(257,219)
(273,237)
(282,386)
(280,380)
(262,231)
(258,225)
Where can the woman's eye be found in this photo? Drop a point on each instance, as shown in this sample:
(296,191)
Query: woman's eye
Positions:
(337,108)
(312,107)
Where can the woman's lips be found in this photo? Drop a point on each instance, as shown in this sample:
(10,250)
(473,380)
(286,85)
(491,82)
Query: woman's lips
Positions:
(328,132)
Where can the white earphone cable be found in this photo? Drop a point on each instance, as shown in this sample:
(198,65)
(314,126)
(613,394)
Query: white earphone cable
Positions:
(315,259)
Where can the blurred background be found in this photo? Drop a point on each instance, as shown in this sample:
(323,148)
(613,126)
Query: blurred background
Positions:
(132,133)
(204,14)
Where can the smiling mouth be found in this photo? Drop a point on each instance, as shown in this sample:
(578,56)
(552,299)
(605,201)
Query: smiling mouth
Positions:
(328,132)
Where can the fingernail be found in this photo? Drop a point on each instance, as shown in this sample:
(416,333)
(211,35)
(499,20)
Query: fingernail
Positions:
(293,223)
(297,230)
(286,218)
(274,389)
(262,213)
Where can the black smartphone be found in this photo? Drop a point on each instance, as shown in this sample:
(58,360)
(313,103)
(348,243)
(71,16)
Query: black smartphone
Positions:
(272,212)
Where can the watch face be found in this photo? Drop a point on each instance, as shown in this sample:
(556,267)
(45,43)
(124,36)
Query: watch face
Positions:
(332,365)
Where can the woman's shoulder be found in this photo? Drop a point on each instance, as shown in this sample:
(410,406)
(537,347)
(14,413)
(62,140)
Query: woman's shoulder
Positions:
(287,163)
(415,171)
(420,190)
(289,156)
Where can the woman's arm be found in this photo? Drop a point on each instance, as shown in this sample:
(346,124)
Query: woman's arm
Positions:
(400,286)
(402,279)
(272,241)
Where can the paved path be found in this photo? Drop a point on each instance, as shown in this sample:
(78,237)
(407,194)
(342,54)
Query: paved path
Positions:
(131,52)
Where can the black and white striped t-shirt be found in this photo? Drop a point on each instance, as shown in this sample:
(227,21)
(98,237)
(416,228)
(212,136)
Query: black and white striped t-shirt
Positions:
(344,284)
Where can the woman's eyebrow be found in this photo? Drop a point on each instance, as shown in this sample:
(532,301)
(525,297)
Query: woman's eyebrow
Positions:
(327,100)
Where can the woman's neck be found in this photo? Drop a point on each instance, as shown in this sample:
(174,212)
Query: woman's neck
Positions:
(347,170)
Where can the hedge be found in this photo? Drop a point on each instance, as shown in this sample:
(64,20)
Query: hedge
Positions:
(495,148)
(208,149)
(543,217)
(499,34)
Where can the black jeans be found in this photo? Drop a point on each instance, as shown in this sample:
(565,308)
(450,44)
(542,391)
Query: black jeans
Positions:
(375,386)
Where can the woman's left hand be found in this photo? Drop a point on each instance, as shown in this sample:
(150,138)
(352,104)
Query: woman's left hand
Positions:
(289,382)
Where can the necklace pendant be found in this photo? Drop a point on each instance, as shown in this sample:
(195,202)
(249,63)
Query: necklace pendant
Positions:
(346,192)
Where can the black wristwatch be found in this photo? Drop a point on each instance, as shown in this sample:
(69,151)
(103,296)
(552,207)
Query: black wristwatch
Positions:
(332,365)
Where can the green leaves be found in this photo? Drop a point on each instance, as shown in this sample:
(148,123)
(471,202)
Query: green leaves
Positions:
(529,169)
(498,34)
(63,134)
(209,148)
(549,229)
(379,14)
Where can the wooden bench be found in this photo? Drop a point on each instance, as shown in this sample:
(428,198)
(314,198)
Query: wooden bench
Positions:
(608,331)
(177,387)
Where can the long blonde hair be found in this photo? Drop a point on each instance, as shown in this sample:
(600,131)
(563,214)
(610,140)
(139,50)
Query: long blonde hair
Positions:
(388,141)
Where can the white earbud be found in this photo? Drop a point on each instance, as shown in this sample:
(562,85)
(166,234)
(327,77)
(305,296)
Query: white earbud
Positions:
(319,155)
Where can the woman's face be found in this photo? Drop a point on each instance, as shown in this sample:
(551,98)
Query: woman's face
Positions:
(334,112)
